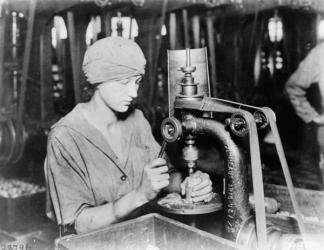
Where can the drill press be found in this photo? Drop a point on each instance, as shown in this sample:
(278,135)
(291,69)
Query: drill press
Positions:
(226,120)
(171,130)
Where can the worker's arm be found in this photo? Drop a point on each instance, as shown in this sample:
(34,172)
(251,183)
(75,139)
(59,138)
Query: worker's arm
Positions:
(155,177)
(296,87)
(319,120)
(92,218)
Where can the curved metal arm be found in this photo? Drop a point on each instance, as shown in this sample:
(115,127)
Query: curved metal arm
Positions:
(212,105)
(237,208)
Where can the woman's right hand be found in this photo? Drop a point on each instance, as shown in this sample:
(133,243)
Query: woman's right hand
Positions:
(155,177)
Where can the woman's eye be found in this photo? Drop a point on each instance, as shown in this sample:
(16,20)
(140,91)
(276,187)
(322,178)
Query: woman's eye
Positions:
(124,82)
(128,81)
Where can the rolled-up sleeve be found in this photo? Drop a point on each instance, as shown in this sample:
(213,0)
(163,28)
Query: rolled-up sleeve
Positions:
(68,188)
(308,72)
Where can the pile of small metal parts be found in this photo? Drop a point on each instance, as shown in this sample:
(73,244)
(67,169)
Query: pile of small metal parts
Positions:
(13,188)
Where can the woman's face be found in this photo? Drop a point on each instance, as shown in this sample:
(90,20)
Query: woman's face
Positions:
(118,95)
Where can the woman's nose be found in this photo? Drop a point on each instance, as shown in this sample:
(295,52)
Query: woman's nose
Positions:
(132,90)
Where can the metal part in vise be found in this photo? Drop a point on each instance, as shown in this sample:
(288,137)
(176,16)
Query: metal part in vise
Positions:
(190,153)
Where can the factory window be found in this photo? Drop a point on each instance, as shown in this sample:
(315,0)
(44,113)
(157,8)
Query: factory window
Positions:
(270,59)
(164,30)
(93,30)
(124,26)
(59,30)
(59,40)
(275,28)
(320,30)
(275,31)
(120,26)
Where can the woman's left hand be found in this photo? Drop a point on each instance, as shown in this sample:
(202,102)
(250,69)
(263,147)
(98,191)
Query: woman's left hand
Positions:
(201,187)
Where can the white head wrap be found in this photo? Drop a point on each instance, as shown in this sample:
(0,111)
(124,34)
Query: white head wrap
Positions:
(113,58)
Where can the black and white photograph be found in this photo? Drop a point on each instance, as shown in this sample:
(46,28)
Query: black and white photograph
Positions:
(161,124)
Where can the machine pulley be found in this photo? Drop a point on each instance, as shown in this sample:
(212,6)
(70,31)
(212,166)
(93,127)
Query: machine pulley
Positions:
(12,141)
(171,129)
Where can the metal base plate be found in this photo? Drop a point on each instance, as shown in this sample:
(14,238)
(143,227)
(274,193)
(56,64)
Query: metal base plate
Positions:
(214,205)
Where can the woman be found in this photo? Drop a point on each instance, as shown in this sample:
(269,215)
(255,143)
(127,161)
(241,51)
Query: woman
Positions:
(101,162)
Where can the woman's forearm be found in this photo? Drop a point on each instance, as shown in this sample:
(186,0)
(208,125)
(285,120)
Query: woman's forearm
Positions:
(93,218)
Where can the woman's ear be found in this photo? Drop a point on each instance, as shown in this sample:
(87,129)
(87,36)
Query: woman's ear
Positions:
(88,91)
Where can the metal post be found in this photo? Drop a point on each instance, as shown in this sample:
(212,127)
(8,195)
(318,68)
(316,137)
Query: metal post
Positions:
(212,52)
(2,51)
(173,31)
(185,28)
(75,64)
(46,84)
(28,45)
(196,30)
